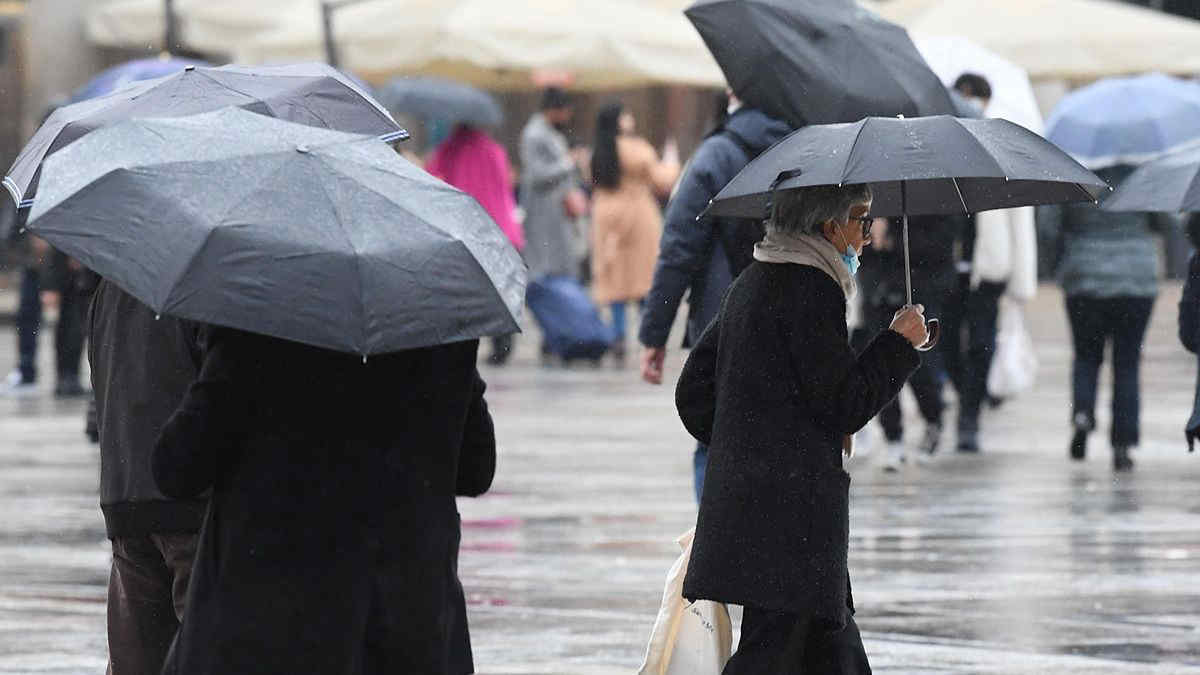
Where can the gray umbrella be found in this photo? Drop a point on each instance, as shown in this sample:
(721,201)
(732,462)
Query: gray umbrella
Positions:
(1170,184)
(917,166)
(308,93)
(306,234)
(435,98)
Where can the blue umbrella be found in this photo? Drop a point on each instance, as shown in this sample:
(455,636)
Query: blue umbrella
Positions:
(122,74)
(1127,120)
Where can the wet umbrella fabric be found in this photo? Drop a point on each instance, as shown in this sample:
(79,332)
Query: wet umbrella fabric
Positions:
(312,94)
(1127,120)
(1170,184)
(818,61)
(310,235)
(126,73)
(433,98)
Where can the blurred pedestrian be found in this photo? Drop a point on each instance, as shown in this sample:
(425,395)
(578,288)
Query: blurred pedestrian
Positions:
(332,536)
(1109,273)
(141,368)
(1189,320)
(629,179)
(701,258)
(975,90)
(931,241)
(774,389)
(550,190)
(472,161)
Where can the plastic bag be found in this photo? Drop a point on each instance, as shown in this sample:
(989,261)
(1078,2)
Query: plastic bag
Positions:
(689,638)
(1014,368)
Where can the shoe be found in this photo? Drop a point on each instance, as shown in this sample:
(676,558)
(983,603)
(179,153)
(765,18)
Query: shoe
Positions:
(968,440)
(929,442)
(1079,445)
(16,386)
(894,457)
(617,349)
(1121,459)
(70,389)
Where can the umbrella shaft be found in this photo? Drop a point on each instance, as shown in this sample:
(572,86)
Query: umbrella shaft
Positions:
(907,259)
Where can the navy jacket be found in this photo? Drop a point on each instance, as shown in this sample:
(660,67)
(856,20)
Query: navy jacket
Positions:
(691,256)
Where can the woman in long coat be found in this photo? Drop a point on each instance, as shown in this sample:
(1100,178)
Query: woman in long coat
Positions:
(331,541)
(774,390)
(626,217)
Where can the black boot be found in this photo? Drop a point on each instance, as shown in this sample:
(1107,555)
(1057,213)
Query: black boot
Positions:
(1121,459)
(1079,445)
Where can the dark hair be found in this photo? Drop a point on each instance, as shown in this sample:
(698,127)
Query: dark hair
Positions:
(973,84)
(606,167)
(555,97)
(804,210)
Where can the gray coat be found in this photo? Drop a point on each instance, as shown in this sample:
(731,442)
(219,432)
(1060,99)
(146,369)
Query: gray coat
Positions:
(547,175)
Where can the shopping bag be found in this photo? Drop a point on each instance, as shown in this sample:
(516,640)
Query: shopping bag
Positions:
(689,638)
(1014,367)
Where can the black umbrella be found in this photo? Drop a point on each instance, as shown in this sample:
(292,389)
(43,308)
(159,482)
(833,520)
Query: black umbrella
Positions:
(433,98)
(306,234)
(919,166)
(818,61)
(313,94)
(1170,184)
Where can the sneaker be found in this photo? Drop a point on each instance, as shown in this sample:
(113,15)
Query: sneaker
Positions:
(929,442)
(16,386)
(1121,459)
(894,457)
(70,389)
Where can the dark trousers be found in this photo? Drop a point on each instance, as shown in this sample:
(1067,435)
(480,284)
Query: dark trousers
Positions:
(779,643)
(68,334)
(146,592)
(1095,322)
(926,383)
(969,343)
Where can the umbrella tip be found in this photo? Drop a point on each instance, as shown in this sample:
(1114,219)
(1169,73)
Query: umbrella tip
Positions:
(157,317)
(364,358)
(900,116)
(302,149)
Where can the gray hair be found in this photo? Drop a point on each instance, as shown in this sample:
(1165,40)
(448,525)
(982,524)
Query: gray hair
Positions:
(804,210)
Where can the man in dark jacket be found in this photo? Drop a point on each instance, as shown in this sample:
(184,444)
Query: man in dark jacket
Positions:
(696,256)
(141,369)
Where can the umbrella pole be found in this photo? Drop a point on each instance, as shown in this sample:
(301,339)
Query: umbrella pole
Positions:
(907,258)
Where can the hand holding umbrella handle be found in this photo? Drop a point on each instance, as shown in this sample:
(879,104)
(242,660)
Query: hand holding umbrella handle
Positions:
(934,328)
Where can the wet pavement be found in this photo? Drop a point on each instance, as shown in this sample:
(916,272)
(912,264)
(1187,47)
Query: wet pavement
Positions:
(1015,561)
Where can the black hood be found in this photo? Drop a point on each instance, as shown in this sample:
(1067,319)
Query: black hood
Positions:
(756,130)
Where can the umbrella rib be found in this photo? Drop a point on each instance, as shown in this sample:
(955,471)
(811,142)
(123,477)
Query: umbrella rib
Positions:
(846,166)
(960,195)
(362,308)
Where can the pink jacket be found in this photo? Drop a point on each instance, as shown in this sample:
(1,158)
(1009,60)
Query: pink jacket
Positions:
(471,161)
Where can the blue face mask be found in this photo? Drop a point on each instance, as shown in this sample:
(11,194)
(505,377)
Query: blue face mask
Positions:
(850,257)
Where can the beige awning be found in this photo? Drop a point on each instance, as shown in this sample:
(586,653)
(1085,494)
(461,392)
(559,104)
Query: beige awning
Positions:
(9,9)
(214,26)
(1067,39)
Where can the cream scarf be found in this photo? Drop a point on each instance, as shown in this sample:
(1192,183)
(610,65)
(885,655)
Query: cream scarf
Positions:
(813,251)
(807,249)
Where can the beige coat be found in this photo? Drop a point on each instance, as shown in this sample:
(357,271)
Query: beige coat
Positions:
(627,223)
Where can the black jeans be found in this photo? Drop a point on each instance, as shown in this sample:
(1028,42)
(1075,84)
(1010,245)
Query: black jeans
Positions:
(969,343)
(786,644)
(29,322)
(1094,322)
(68,333)
(926,383)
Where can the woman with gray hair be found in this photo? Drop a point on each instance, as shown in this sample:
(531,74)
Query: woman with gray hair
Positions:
(775,391)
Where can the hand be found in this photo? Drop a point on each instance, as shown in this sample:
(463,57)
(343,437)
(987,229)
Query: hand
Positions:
(670,152)
(652,364)
(910,322)
(575,203)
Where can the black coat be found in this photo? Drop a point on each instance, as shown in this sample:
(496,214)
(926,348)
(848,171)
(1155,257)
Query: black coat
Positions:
(692,257)
(1189,335)
(772,388)
(141,368)
(331,541)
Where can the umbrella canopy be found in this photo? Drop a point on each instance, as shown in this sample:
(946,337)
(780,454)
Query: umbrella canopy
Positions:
(817,61)
(137,70)
(918,166)
(1127,120)
(305,234)
(1060,39)
(1170,184)
(501,45)
(313,94)
(1012,92)
(433,98)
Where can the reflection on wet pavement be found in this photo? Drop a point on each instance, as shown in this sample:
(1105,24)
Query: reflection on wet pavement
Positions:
(1015,561)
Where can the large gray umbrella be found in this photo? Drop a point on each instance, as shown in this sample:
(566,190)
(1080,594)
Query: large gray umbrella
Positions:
(432,98)
(1170,184)
(918,166)
(306,234)
(308,93)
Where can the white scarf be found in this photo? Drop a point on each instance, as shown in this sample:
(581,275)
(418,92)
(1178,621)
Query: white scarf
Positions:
(807,249)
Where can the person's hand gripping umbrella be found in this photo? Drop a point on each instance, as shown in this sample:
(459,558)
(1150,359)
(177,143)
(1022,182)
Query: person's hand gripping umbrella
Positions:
(916,166)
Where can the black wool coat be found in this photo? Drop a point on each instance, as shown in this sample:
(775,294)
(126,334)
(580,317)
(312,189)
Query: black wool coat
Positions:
(331,540)
(772,388)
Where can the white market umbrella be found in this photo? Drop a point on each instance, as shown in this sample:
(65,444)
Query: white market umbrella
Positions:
(503,44)
(213,26)
(1012,92)
(1064,39)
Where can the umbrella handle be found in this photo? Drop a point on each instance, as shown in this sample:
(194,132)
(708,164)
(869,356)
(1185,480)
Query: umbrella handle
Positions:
(934,328)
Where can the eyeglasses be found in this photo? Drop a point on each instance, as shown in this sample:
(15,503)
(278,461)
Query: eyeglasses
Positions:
(865,221)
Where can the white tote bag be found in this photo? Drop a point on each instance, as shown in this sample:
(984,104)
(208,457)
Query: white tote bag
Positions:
(689,638)
(1015,365)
